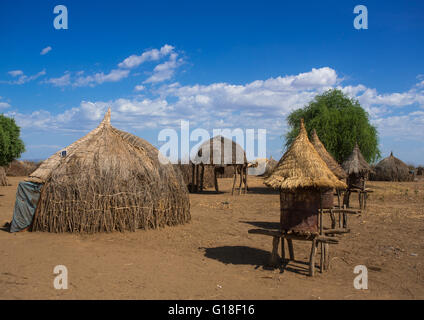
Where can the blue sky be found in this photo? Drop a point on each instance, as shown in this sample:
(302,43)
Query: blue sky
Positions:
(217,64)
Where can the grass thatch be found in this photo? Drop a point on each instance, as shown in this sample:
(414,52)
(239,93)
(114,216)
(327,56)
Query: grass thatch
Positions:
(225,151)
(356,163)
(109,180)
(391,169)
(328,159)
(302,167)
(3,178)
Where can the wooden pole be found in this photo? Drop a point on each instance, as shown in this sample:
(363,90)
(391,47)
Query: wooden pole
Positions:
(202,173)
(241,177)
(192,176)
(274,255)
(312,259)
(235,178)
(215,179)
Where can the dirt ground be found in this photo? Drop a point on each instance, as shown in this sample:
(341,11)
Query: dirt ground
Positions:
(214,256)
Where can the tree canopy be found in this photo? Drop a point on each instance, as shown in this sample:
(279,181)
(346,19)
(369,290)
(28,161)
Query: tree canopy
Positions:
(340,122)
(11,145)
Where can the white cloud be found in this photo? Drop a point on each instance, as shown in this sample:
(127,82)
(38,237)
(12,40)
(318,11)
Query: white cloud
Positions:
(62,81)
(134,61)
(4,105)
(22,78)
(166,70)
(15,73)
(161,72)
(258,104)
(139,87)
(45,50)
(113,76)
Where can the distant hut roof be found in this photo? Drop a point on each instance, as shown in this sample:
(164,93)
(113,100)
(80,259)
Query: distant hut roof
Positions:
(356,163)
(225,151)
(328,159)
(302,167)
(391,169)
(109,180)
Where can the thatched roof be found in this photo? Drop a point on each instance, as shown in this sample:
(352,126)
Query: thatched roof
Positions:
(356,163)
(225,151)
(391,169)
(109,180)
(328,159)
(302,167)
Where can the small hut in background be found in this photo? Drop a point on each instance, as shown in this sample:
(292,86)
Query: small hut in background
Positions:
(392,169)
(3,179)
(358,171)
(332,164)
(109,180)
(420,171)
(219,153)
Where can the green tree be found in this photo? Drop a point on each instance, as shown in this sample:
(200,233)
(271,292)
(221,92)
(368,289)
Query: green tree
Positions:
(11,145)
(340,122)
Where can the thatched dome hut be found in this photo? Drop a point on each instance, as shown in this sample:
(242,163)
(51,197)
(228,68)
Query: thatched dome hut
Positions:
(220,151)
(357,169)
(391,169)
(302,176)
(107,181)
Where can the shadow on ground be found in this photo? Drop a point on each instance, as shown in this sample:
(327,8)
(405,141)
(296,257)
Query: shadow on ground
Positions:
(241,255)
(263,224)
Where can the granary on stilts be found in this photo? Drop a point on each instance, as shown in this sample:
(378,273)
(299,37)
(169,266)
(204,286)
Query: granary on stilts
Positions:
(358,171)
(220,152)
(328,196)
(302,177)
(109,180)
(391,169)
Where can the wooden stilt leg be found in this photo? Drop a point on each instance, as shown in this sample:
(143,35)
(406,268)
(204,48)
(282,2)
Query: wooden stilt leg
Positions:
(245,179)
(241,178)
(291,251)
(197,177)
(202,174)
(215,178)
(333,219)
(326,256)
(235,178)
(193,169)
(321,264)
(283,250)
(312,259)
(274,255)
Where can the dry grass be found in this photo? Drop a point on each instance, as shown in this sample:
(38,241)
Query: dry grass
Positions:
(328,159)
(302,167)
(111,181)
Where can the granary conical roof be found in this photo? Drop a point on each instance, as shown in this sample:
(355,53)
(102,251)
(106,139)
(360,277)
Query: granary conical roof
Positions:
(326,156)
(356,163)
(302,167)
